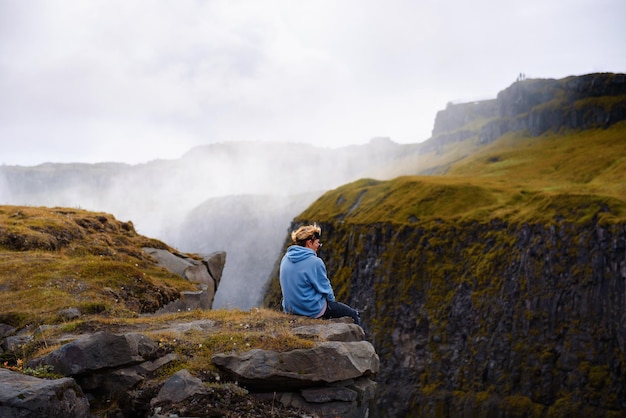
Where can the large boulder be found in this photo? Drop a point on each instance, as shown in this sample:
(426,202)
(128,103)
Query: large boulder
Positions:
(327,362)
(332,379)
(108,365)
(206,274)
(28,396)
(98,351)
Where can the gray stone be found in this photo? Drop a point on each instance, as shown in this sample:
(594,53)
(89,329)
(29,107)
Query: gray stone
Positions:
(176,263)
(28,396)
(322,410)
(69,314)
(6,330)
(198,325)
(151,366)
(215,263)
(199,274)
(328,394)
(112,383)
(365,389)
(143,346)
(331,331)
(119,381)
(98,351)
(206,274)
(179,387)
(15,342)
(330,361)
(202,299)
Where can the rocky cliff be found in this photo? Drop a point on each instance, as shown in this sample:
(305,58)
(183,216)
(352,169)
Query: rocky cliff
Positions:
(135,374)
(537,319)
(535,106)
(487,315)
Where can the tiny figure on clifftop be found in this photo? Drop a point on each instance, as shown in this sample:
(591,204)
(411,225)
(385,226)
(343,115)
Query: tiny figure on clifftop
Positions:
(303,280)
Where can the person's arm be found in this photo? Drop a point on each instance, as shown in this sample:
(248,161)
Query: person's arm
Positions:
(322,283)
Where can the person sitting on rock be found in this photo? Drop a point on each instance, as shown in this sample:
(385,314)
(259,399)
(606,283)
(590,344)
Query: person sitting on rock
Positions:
(304,284)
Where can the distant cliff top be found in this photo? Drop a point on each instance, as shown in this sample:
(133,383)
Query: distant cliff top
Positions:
(537,105)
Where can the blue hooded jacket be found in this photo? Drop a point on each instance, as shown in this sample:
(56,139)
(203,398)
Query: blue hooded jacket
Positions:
(304,283)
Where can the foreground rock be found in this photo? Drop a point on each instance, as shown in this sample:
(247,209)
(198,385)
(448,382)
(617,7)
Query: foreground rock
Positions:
(110,366)
(27,396)
(331,379)
(328,362)
(98,351)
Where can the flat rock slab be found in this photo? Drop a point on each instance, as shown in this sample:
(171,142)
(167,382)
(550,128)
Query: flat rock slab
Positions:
(331,332)
(328,362)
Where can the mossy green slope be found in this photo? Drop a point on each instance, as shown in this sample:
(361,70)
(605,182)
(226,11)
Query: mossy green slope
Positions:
(55,258)
(515,177)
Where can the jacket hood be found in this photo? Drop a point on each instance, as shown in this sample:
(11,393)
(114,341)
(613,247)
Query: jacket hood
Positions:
(296,253)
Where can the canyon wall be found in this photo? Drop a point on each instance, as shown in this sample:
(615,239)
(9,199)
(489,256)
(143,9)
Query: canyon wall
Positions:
(474,318)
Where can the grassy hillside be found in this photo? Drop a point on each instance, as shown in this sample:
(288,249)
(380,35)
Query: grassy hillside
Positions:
(52,259)
(574,174)
(591,161)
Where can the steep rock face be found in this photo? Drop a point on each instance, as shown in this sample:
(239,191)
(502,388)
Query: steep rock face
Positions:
(457,115)
(538,105)
(489,317)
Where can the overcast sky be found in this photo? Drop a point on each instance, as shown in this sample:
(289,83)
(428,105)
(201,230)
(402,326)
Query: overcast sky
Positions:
(132,81)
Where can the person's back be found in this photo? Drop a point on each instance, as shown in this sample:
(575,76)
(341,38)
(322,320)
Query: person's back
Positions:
(304,284)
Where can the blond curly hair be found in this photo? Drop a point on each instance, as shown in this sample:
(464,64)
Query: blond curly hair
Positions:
(301,235)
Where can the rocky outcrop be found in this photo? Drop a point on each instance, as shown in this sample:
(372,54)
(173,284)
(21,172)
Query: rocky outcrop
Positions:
(328,362)
(27,396)
(536,106)
(98,351)
(108,365)
(334,378)
(206,274)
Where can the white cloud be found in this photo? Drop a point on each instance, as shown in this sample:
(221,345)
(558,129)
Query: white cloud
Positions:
(80,79)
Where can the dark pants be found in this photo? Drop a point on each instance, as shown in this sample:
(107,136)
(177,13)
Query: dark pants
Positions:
(339,310)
